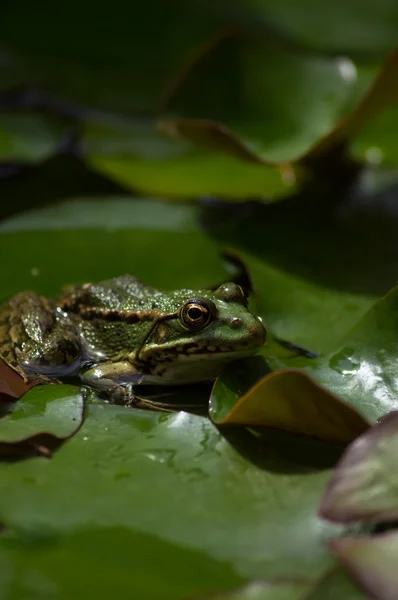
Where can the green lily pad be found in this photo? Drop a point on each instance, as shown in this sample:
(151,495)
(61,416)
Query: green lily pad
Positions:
(104,561)
(126,471)
(111,248)
(362,370)
(372,562)
(29,138)
(140,157)
(56,410)
(277,118)
(363,487)
(287,399)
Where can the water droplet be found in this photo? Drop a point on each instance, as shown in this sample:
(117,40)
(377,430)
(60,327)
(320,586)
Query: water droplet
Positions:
(347,69)
(85,438)
(344,363)
(161,456)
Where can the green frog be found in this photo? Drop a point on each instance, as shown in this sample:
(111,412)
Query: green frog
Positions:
(119,333)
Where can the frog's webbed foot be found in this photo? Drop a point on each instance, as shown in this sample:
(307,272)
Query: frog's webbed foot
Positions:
(122,394)
(114,379)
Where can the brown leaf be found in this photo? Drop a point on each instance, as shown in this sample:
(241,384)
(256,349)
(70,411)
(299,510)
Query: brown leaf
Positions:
(290,400)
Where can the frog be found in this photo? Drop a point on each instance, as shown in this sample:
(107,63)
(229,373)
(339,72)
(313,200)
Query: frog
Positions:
(119,333)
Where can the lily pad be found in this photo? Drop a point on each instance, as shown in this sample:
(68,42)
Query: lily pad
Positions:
(279,118)
(142,157)
(362,370)
(372,562)
(125,471)
(53,411)
(106,251)
(331,110)
(364,485)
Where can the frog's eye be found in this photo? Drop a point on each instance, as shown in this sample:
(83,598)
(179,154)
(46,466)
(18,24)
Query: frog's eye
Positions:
(232,292)
(195,314)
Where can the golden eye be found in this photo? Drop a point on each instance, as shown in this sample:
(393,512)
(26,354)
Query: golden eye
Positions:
(195,314)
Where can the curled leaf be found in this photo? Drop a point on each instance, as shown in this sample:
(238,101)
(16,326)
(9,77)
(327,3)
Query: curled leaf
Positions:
(208,134)
(287,399)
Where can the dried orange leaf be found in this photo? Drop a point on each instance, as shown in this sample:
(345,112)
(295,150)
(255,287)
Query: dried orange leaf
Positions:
(290,400)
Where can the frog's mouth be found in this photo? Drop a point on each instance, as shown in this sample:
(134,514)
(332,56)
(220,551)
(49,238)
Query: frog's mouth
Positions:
(183,356)
(194,365)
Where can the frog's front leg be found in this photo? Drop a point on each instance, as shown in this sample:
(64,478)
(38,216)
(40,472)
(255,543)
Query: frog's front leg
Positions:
(116,379)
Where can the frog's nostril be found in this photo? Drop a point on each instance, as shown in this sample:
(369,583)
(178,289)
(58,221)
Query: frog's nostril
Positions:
(235,323)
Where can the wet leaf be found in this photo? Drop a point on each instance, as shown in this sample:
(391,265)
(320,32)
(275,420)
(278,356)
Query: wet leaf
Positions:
(112,492)
(29,138)
(362,370)
(288,400)
(364,484)
(372,562)
(56,410)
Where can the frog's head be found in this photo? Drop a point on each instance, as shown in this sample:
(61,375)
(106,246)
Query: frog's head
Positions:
(203,331)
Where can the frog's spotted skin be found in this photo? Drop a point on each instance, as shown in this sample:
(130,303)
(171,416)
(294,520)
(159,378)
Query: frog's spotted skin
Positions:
(121,332)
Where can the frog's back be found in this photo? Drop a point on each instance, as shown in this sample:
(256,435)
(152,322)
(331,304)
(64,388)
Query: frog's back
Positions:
(125,292)
(105,329)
